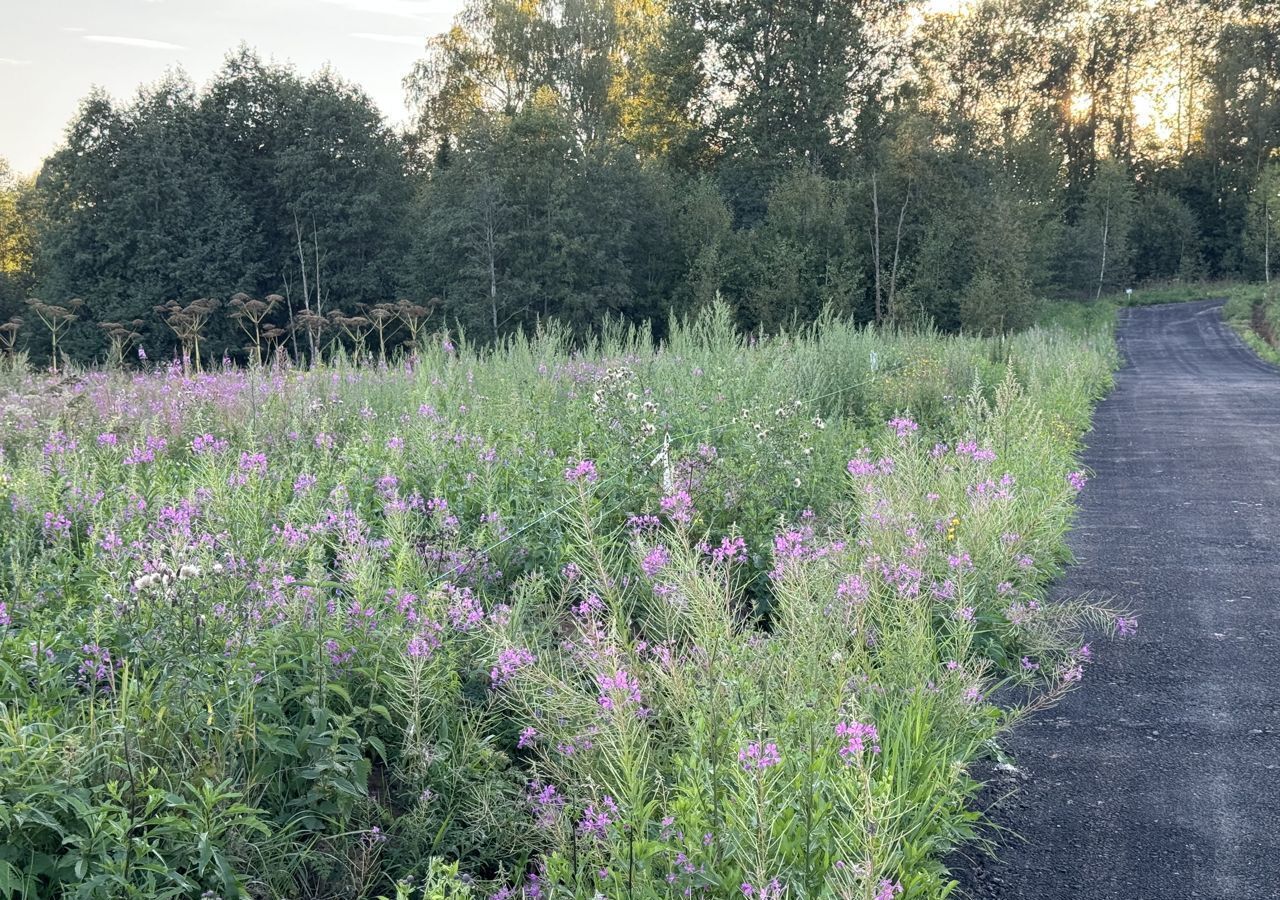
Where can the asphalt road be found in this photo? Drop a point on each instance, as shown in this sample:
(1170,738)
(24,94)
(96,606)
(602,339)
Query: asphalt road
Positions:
(1159,778)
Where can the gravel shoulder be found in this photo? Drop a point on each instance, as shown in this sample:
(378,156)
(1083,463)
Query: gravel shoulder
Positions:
(1160,777)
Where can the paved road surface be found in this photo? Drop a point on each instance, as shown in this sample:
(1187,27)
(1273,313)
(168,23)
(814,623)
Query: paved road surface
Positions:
(1159,779)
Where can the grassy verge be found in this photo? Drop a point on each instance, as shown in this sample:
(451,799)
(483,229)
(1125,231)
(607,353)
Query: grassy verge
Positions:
(718,620)
(1255,315)
(1180,292)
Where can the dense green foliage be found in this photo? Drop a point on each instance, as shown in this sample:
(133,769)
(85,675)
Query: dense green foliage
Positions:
(217,696)
(586,158)
(310,633)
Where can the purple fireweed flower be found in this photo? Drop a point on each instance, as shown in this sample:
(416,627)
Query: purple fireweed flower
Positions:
(1028,665)
(852,590)
(207,443)
(857,738)
(56,525)
(138,456)
(731,550)
(108,439)
(618,691)
(861,467)
(5,621)
(337,656)
(678,507)
(111,543)
(546,803)
(1126,625)
(583,470)
(510,661)
(643,523)
(595,822)
(253,463)
(590,605)
(426,642)
(304,483)
(1077,481)
(527,737)
(960,561)
(655,560)
(972,450)
(395,443)
(96,664)
(387,486)
(770,891)
(945,590)
(757,758)
(888,890)
(465,611)
(902,427)
(59,444)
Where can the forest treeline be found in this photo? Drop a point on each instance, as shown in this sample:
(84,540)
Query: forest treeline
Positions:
(583,159)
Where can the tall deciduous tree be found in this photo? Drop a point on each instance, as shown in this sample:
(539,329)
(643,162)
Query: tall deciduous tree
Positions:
(1262,225)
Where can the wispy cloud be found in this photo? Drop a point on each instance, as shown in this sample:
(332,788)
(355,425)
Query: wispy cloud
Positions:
(7,61)
(148,43)
(74,29)
(412,40)
(422,10)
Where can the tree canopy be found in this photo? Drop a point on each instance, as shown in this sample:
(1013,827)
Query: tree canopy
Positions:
(588,159)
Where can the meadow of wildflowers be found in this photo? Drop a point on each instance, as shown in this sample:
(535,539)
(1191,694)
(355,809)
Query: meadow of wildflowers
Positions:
(724,619)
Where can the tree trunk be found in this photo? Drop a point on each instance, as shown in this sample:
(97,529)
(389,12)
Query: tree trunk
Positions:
(897,250)
(306,293)
(875,243)
(1102,271)
(1266,240)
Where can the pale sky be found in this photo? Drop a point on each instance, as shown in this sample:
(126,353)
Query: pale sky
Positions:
(53,51)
